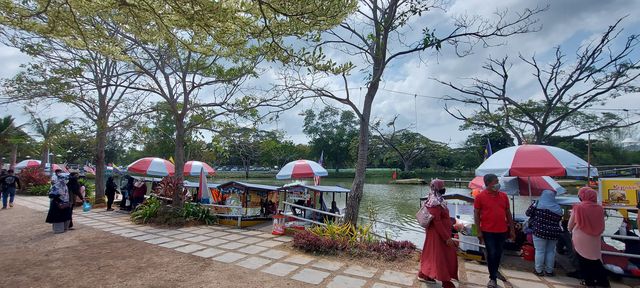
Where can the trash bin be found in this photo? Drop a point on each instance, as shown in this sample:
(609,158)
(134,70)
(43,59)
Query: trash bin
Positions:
(278,224)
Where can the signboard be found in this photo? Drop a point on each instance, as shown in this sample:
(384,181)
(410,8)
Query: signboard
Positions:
(619,192)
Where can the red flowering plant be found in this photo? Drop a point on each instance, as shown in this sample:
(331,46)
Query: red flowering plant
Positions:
(34,181)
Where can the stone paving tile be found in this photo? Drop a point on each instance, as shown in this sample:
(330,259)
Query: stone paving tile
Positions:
(519,274)
(265,235)
(155,230)
(214,242)
(251,250)
(563,280)
(250,240)
(253,262)
(198,238)
(517,283)
(201,231)
(102,226)
(358,270)
(299,259)
(232,245)
(111,229)
(328,265)
(381,285)
(275,254)
(397,277)
(208,253)
(280,269)
(169,233)
(233,237)
(341,281)
(252,233)
(173,244)
(283,239)
(183,235)
(229,257)
(146,237)
(269,243)
(190,248)
(217,234)
(133,234)
(122,231)
(188,229)
(159,240)
(310,276)
(477,278)
(235,230)
(475,267)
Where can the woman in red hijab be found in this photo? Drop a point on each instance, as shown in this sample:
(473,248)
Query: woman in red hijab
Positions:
(438,260)
(586,225)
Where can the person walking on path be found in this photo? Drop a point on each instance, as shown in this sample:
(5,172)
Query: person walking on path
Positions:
(439,260)
(587,224)
(9,183)
(74,191)
(110,192)
(544,218)
(59,208)
(493,216)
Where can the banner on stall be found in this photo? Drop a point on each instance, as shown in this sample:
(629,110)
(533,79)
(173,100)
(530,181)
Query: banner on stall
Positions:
(620,191)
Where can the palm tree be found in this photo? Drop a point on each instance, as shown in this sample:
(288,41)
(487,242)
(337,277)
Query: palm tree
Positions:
(11,136)
(49,130)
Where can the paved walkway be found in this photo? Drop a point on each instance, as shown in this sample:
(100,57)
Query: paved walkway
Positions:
(259,251)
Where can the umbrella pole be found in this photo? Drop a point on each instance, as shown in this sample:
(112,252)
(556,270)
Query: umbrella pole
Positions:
(513,206)
(529,184)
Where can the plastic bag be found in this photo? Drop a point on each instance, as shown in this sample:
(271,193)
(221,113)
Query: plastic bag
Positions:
(86,206)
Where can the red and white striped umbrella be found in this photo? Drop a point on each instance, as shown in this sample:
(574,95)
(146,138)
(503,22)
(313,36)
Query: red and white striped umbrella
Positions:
(301,169)
(27,164)
(520,185)
(152,166)
(192,168)
(535,160)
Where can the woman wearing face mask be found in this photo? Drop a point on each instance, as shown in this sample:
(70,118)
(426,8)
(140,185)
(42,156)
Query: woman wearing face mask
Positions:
(438,260)
(59,208)
(545,216)
(587,224)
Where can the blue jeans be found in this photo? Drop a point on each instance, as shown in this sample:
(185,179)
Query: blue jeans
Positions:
(494,243)
(545,254)
(8,192)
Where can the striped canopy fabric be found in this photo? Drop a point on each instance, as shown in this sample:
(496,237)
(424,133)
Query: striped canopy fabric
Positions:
(535,160)
(520,185)
(193,168)
(151,166)
(301,169)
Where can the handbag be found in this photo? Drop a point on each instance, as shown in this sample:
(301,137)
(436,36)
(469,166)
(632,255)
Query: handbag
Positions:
(63,205)
(86,206)
(424,217)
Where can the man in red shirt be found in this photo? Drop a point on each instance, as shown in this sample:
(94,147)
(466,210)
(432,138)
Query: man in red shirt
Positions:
(493,217)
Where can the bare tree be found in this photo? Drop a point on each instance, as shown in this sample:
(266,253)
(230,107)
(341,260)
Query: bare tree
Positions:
(380,33)
(603,70)
(406,144)
(96,85)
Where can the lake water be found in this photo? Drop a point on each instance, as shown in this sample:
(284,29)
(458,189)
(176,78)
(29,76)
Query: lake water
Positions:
(398,204)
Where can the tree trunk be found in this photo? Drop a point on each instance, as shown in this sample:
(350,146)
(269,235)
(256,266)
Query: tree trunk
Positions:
(357,188)
(407,165)
(101,144)
(246,169)
(179,159)
(14,156)
(45,158)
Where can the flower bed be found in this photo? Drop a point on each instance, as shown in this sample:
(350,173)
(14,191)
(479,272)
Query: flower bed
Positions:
(356,242)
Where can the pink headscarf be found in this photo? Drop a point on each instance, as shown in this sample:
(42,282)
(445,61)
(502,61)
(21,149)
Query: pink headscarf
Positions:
(589,215)
(435,199)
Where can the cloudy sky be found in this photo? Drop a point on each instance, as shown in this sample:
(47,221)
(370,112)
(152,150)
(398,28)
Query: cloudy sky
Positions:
(568,24)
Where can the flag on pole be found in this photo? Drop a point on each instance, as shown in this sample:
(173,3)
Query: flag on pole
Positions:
(171,160)
(204,194)
(487,150)
(316,179)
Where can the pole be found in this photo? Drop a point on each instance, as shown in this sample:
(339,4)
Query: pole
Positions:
(589,160)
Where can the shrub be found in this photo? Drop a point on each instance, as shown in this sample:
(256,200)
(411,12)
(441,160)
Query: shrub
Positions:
(153,211)
(146,212)
(39,190)
(311,241)
(33,176)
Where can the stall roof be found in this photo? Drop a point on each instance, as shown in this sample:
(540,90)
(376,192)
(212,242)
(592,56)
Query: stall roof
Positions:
(190,184)
(251,185)
(323,189)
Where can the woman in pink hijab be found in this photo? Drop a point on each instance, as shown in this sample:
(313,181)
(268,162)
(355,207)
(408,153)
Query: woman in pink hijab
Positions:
(438,260)
(586,225)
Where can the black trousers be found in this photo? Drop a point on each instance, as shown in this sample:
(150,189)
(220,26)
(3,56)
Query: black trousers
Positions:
(593,272)
(110,198)
(495,246)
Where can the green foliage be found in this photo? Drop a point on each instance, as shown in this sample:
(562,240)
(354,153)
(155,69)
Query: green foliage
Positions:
(346,232)
(146,212)
(198,213)
(39,190)
(153,211)
(332,131)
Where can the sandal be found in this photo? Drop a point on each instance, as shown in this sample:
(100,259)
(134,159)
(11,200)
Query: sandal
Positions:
(426,280)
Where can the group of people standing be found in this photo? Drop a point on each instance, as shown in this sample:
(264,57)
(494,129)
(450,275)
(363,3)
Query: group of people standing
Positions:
(63,193)
(495,224)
